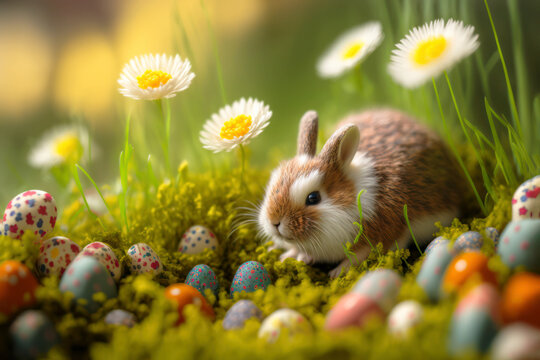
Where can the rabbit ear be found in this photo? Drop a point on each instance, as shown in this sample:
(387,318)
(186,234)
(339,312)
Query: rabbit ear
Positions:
(342,146)
(307,134)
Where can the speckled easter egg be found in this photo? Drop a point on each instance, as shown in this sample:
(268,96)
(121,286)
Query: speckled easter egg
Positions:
(196,239)
(182,295)
(467,270)
(281,319)
(202,277)
(33,210)
(520,244)
(17,287)
(521,299)
(433,268)
(468,241)
(493,234)
(381,285)
(55,254)
(120,317)
(144,259)
(404,316)
(516,342)
(435,242)
(86,277)
(250,276)
(105,255)
(474,322)
(353,310)
(33,335)
(241,311)
(526,200)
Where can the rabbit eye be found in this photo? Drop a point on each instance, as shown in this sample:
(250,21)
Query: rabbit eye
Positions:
(313,198)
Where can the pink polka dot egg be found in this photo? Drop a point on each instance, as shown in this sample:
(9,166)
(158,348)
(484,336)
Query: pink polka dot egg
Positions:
(196,239)
(144,259)
(105,255)
(381,285)
(404,316)
(282,319)
(55,254)
(526,200)
(33,210)
(519,245)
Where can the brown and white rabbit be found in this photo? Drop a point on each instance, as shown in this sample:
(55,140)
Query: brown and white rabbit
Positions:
(310,207)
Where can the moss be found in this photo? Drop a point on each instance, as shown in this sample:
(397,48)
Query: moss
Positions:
(216,199)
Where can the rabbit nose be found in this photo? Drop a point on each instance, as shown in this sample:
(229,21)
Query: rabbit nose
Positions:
(277,225)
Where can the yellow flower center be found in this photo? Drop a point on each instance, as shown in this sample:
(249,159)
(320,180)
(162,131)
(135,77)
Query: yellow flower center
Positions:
(69,148)
(153,79)
(236,127)
(352,50)
(429,50)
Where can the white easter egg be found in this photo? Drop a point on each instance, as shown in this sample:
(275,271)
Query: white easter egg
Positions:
(196,239)
(516,342)
(105,255)
(33,210)
(526,200)
(144,259)
(55,254)
(282,319)
(403,316)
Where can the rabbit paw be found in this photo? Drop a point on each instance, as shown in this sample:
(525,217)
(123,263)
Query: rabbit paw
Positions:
(343,267)
(295,254)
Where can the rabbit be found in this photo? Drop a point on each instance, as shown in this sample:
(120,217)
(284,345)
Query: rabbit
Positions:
(310,204)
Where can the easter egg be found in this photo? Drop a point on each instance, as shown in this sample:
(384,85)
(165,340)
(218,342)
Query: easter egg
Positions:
(403,316)
(493,234)
(17,287)
(33,335)
(520,245)
(281,319)
(105,255)
(467,270)
(435,242)
(381,285)
(474,322)
(433,268)
(120,317)
(468,241)
(196,239)
(144,259)
(521,299)
(241,311)
(353,310)
(526,200)
(86,277)
(516,342)
(202,277)
(250,276)
(33,210)
(182,295)
(55,254)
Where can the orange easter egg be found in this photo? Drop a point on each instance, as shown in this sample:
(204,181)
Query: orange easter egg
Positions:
(182,295)
(521,299)
(17,287)
(467,270)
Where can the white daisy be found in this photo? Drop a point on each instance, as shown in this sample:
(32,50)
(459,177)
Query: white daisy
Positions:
(153,77)
(429,50)
(235,125)
(350,49)
(63,145)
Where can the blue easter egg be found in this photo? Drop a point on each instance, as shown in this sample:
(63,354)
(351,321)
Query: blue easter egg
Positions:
(33,335)
(202,277)
(433,268)
(381,285)
(250,276)
(85,277)
(468,241)
(239,313)
(120,317)
(435,242)
(520,244)
(493,234)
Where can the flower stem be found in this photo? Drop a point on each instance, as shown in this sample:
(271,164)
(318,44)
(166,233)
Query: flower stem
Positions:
(243,166)
(165,144)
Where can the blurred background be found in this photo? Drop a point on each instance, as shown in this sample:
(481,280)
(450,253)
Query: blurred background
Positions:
(60,60)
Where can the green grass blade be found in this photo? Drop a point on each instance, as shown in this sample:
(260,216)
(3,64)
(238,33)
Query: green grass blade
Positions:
(77,180)
(410,228)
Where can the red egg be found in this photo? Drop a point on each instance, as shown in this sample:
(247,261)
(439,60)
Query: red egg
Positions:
(182,295)
(17,287)
(352,310)
(521,299)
